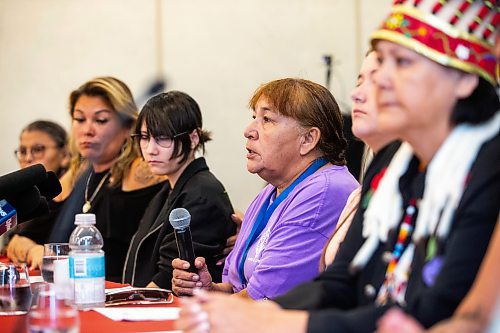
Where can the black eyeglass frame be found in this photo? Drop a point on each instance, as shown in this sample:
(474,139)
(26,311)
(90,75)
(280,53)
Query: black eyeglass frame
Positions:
(37,151)
(137,137)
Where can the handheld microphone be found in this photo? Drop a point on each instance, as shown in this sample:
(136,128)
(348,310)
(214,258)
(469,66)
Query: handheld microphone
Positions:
(8,216)
(180,219)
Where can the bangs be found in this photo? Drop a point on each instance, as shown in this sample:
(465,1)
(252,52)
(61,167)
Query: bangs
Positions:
(156,123)
(287,96)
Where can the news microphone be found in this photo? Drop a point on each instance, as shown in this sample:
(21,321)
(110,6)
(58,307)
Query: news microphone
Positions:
(24,202)
(28,204)
(27,191)
(20,180)
(8,216)
(180,219)
(50,187)
(42,209)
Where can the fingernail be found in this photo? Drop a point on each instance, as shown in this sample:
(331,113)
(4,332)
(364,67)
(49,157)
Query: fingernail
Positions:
(199,284)
(185,266)
(195,277)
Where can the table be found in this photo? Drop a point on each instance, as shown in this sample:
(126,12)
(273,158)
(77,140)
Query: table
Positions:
(92,322)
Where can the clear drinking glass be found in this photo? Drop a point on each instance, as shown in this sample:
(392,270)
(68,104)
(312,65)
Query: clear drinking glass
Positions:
(15,290)
(51,314)
(51,253)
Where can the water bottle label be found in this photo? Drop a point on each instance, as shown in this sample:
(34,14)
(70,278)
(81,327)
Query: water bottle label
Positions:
(84,267)
(89,292)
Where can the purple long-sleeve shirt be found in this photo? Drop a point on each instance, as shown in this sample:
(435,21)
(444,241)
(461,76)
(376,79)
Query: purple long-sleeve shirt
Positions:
(287,251)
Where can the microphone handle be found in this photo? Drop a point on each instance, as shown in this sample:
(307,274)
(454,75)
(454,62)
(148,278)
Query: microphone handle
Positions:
(185,247)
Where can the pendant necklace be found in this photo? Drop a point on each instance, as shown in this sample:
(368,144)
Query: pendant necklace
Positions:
(88,202)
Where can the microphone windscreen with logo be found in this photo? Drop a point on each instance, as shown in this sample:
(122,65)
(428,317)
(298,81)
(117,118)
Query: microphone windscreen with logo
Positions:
(8,216)
(26,201)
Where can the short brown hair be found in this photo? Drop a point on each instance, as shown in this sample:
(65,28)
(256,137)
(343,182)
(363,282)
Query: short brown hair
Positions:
(312,105)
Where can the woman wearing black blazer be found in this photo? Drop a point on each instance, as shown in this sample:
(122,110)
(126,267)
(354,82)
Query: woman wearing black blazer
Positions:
(169,132)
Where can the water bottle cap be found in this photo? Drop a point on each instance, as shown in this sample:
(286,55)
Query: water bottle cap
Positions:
(84,219)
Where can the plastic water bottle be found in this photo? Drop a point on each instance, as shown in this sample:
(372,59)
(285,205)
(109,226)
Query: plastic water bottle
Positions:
(86,263)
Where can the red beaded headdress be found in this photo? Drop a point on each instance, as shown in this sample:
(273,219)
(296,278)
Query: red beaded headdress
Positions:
(453,33)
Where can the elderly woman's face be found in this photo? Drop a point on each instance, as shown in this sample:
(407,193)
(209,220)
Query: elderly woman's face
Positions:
(39,147)
(273,142)
(413,92)
(98,132)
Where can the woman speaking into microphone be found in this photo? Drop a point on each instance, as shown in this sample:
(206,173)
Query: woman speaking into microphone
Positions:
(295,143)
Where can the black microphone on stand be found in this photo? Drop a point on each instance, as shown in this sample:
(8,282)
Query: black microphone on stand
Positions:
(19,208)
(24,194)
(180,219)
(327,59)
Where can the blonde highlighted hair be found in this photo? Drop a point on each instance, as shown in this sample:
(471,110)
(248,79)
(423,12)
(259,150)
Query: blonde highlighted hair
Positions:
(120,99)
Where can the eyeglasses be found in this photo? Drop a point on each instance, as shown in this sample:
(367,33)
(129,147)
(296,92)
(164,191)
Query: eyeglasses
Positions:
(37,151)
(139,296)
(161,140)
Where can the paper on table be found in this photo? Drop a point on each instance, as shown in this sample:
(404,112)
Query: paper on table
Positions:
(140,313)
(36,279)
(118,289)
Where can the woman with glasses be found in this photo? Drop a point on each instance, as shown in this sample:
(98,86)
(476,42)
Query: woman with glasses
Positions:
(106,176)
(43,142)
(169,133)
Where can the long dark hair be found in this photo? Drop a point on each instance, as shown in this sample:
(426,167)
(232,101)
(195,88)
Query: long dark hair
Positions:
(479,107)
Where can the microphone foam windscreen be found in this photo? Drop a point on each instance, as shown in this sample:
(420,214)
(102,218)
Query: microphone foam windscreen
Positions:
(50,187)
(40,210)
(20,180)
(179,218)
(26,201)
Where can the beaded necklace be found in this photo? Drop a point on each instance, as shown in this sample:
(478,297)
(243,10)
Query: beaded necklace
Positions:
(394,286)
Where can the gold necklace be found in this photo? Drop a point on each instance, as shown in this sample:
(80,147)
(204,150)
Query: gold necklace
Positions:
(88,202)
